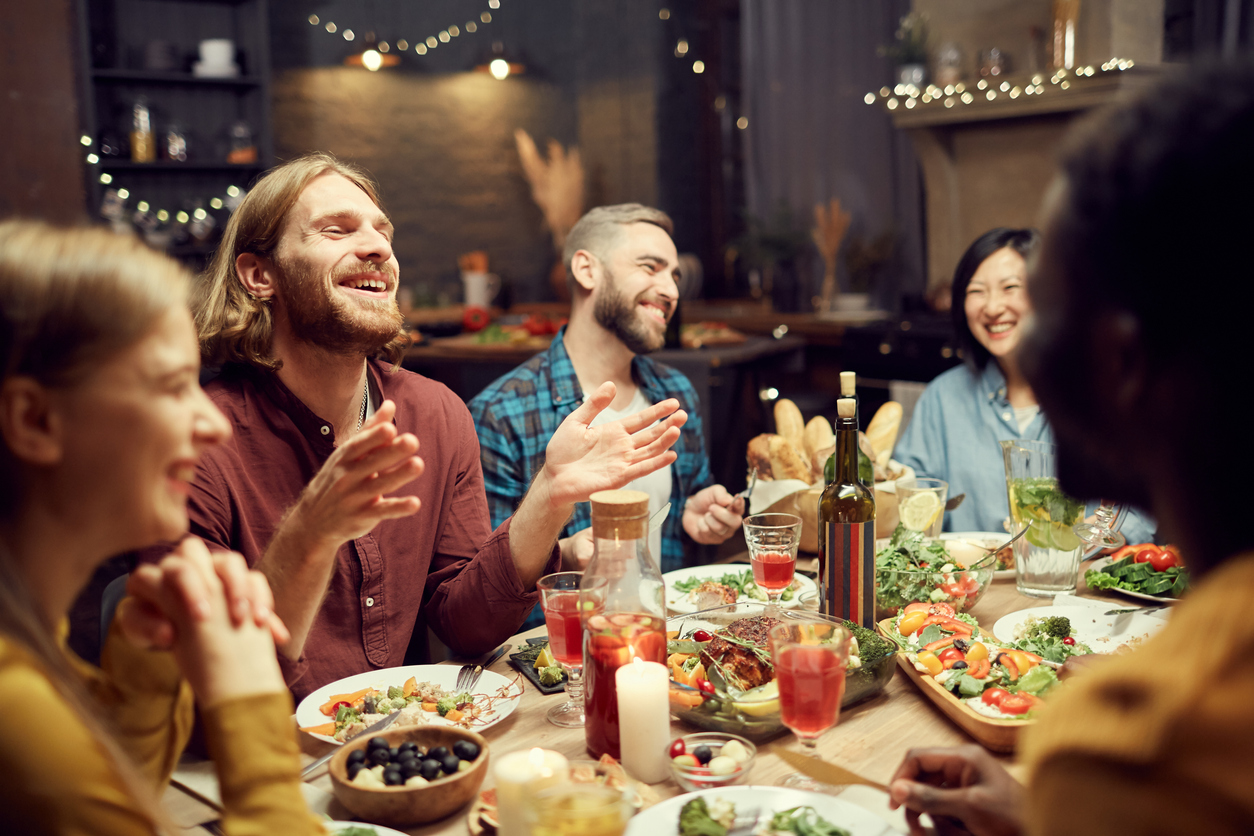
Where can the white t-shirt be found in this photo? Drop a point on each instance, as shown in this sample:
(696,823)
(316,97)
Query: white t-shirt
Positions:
(1024,416)
(657,484)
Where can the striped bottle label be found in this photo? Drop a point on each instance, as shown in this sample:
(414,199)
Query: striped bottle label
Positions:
(847,571)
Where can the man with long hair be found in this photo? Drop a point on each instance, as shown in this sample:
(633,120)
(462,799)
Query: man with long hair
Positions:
(321,488)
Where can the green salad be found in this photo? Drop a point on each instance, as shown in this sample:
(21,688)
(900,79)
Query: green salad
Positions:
(913,568)
(699,818)
(1129,575)
(1051,638)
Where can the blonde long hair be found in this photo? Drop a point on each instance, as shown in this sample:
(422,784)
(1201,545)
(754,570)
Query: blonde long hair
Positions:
(234,326)
(70,300)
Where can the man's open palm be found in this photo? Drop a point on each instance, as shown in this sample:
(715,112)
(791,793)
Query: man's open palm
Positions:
(581,460)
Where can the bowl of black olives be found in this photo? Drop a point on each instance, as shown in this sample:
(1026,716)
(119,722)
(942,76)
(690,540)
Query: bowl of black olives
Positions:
(411,775)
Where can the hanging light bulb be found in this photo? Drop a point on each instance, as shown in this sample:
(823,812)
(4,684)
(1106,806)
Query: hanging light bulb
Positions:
(499,65)
(499,68)
(373,56)
(372,60)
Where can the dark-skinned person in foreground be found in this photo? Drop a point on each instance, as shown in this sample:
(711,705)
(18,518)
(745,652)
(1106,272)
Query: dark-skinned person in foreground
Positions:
(1151,197)
(321,487)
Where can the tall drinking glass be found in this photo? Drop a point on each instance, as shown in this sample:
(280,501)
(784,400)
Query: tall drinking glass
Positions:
(773,541)
(566,607)
(810,657)
(1047,557)
(578,810)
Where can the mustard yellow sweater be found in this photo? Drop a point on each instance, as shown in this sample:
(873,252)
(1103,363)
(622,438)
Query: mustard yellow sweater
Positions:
(55,778)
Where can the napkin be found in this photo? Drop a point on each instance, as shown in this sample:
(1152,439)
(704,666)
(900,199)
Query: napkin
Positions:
(767,492)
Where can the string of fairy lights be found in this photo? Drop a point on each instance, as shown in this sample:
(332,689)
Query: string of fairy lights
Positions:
(421,46)
(934,97)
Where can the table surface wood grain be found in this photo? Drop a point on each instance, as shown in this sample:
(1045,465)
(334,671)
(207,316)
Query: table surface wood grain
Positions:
(871,738)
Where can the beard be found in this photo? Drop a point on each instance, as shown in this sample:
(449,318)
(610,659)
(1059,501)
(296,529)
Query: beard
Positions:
(622,318)
(318,315)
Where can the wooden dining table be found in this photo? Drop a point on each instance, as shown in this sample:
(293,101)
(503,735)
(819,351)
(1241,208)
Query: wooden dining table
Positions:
(871,738)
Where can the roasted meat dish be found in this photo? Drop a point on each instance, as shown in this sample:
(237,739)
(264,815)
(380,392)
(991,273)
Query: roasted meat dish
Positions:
(743,668)
(710,594)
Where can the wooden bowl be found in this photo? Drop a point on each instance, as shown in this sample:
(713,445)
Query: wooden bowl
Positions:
(402,806)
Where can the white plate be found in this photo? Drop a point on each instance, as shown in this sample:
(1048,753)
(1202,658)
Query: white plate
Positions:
(678,602)
(991,539)
(337,826)
(1103,633)
(1103,562)
(307,713)
(663,819)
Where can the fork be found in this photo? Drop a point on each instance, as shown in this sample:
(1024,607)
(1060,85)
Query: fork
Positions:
(753,480)
(468,676)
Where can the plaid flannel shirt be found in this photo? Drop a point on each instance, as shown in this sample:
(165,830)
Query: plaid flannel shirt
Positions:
(518,414)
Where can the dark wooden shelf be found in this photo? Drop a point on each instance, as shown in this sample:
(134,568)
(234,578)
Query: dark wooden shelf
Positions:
(107,164)
(153,77)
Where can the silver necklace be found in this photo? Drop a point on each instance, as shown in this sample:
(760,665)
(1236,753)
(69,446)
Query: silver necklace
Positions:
(365,396)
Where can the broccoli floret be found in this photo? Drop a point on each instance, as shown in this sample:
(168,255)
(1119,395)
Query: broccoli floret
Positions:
(445,705)
(395,693)
(1054,625)
(382,705)
(551,675)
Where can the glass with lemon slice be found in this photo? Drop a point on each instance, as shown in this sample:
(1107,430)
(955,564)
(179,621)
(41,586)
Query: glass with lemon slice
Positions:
(921,504)
(1047,557)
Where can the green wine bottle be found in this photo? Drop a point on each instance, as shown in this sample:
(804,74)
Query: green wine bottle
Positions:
(847,530)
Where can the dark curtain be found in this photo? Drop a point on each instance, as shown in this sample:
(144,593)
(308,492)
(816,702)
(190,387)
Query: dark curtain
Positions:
(807,66)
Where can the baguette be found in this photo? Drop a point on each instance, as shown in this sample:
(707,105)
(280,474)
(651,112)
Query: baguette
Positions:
(818,435)
(882,431)
(790,424)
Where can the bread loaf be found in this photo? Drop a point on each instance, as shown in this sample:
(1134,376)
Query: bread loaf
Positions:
(790,424)
(759,456)
(787,461)
(882,431)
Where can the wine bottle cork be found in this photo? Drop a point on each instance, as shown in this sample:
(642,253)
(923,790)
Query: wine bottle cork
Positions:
(619,515)
(846,407)
(848,385)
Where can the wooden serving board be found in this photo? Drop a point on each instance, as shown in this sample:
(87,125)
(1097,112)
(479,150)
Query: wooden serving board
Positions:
(997,735)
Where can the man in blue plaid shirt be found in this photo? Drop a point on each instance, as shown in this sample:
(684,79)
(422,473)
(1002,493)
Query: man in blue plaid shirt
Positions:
(622,267)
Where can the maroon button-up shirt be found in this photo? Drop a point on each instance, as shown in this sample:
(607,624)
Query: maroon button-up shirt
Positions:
(442,566)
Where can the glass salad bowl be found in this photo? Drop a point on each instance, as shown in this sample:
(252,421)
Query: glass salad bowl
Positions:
(739,694)
(910,568)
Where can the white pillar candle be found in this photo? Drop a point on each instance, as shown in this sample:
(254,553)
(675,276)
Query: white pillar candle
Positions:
(519,775)
(644,719)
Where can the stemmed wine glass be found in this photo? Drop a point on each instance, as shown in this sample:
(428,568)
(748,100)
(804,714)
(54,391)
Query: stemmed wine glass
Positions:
(1099,532)
(810,656)
(773,541)
(566,609)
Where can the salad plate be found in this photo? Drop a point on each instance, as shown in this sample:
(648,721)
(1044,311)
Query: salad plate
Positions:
(493,693)
(1102,562)
(987,539)
(680,582)
(663,819)
(1103,633)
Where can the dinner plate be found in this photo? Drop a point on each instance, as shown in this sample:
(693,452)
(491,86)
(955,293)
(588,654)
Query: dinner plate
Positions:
(663,819)
(984,538)
(491,683)
(679,602)
(378,829)
(1102,562)
(1103,633)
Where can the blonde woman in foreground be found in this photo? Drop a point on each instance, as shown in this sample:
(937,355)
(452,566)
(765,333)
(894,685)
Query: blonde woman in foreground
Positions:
(103,421)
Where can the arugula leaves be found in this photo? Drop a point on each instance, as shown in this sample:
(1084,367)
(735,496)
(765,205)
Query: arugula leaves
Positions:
(908,569)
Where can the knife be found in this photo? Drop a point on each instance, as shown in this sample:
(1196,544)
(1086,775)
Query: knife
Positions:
(377,727)
(828,773)
(655,521)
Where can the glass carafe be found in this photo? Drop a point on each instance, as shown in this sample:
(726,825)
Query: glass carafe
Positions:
(623,609)
(1047,557)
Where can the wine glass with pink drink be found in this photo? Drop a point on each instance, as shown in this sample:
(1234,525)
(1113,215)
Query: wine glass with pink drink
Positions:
(810,655)
(566,609)
(773,540)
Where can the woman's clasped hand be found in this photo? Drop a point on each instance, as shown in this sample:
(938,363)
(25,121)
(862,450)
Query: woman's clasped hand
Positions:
(963,789)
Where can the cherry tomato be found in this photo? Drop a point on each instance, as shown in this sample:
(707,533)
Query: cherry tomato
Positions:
(995,696)
(701,636)
(536,325)
(942,609)
(677,748)
(976,652)
(1068,641)
(949,656)
(705,687)
(1163,561)
(341,704)
(1016,704)
(1146,554)
(475,318)
(1174,549)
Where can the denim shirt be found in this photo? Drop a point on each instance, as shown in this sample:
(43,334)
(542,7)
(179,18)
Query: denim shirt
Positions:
(955,434)
(517,415)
